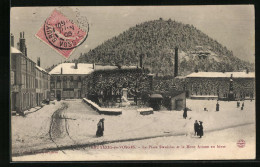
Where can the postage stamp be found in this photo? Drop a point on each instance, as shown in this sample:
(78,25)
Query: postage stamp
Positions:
(62,34)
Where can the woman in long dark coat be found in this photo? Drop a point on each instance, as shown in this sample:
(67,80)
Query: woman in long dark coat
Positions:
(200,129)
(185,113)
(100,128)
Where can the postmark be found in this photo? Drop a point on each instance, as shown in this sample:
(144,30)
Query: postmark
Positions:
(63,34)
(241,143)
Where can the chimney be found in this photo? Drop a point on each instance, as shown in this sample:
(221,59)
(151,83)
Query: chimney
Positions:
(93,66)
(22,45)
(39,62)
(141,61)
(12,40)
(18,45)
(61,70)
(76,65)
(176,62)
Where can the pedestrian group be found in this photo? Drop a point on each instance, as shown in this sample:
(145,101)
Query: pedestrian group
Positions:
(198,128)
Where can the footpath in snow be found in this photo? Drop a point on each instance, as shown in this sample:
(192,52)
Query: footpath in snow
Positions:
(32,130)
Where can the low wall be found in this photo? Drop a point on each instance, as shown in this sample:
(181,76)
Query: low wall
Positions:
(204,97)
(145,111)
(100,110)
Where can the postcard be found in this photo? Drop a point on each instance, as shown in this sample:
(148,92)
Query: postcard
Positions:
(98,83)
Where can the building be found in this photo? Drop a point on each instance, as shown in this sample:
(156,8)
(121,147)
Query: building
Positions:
(22,81)
(217,84)
(67,79)
(24,78)
(42,84)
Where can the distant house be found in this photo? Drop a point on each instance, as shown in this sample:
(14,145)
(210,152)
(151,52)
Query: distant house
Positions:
(216,84)
(42,84)
(67,80)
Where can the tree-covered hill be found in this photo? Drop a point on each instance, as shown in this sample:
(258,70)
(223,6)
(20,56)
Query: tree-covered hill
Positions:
(156,40)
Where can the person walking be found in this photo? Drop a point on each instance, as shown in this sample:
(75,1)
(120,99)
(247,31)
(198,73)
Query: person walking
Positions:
(200,130)
(100,128)
(217,107)
(242,106)
(238,104)
(196,127)
(185,112)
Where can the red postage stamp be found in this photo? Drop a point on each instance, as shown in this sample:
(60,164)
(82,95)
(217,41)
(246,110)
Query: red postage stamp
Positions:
(61,33)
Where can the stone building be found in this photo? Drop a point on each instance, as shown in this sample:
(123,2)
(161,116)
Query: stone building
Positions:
(217,84)
(24,76)
(42,84)
(67,79)
(22,81)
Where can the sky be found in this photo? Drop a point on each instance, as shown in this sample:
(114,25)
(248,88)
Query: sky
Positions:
(231,25)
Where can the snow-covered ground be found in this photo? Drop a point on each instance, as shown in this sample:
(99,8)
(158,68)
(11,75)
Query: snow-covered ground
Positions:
(82,124)
(164,148)
(32,130)
(133,125)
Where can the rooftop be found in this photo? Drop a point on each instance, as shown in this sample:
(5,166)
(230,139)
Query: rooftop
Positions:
(83,68)
(111,67)
(41,68)
(69,68)
(14,50)
(221,75)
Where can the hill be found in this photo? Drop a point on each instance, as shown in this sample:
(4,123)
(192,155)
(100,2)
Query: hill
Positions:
(156,40)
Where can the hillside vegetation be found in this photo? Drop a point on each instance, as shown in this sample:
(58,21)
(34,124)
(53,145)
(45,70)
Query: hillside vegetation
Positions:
(156,40)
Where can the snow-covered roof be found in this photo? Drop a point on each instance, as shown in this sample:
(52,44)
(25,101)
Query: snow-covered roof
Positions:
(221,75)
(41,69)
(69,68)
(110,67)
(14,50)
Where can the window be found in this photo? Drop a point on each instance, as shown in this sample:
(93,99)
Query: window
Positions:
(52,85)
(36,83)
(23,82)
(52,78)
(71,84)
(64,84)
(75,84)
(58,84)
(79,84)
